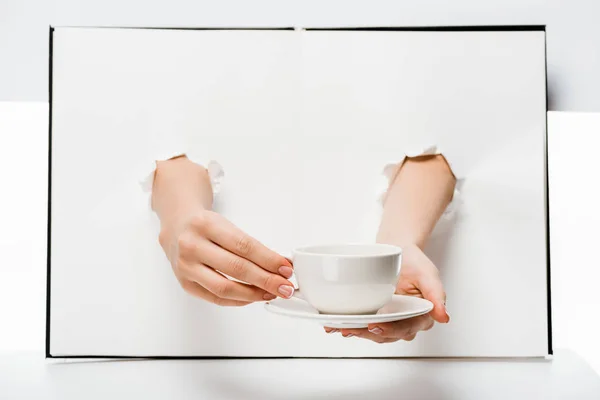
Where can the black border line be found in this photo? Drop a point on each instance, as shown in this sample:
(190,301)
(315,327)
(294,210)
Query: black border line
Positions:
(183,28)
(449,28)
(48,277)
(407,358)
(547,186)
(498,28)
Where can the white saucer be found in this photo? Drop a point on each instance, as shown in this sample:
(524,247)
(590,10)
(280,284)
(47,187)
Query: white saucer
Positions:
(400,307)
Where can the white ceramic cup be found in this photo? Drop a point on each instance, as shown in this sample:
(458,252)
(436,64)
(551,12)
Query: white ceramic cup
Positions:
(347,278)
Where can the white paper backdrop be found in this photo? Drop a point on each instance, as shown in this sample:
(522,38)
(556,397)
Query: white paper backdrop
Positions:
(315,108)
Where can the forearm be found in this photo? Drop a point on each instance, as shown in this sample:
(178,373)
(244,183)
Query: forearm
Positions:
(180,186)
(416,199)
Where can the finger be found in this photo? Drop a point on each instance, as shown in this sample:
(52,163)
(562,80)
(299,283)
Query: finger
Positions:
(428,327)
(330,330)
(230,237)
(410,338)
(365,334)
(240,268)
(402,329)
(198,291)
(225,288)
(430,285)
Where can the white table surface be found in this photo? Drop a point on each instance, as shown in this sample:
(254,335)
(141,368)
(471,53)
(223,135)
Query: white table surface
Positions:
(29,376)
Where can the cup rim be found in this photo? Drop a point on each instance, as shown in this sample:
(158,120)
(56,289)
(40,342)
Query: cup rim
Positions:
(309,250)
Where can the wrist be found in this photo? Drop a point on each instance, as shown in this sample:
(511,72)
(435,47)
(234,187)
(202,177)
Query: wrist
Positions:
(177,215)
(179,186)
(173,221)
(400,240)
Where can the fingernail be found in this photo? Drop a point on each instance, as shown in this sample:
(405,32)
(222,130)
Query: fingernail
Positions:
(286,272)
(446,311)
(349,335)
(286,290)
(269,296)
(333,331)
(376,330)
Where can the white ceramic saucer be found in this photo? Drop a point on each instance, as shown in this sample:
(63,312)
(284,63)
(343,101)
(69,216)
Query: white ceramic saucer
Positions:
(400,307)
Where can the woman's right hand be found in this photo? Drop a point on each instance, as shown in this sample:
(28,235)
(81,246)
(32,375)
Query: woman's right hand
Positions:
(204,246)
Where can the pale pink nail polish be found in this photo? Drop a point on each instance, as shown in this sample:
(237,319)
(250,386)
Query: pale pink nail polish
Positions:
(333,331)
(349,335)
(286,291)
(285,271)
(376,330)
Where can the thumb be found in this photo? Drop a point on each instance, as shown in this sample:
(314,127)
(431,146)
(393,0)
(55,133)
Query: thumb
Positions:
(430,285)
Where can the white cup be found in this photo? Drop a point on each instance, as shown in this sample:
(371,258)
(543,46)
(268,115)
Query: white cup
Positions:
(347,278)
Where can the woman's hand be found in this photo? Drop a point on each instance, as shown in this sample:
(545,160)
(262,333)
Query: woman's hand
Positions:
(418,277)
(205,249)
(416,198)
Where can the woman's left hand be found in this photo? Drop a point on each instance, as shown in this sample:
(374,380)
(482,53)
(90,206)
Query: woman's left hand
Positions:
(418,277)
